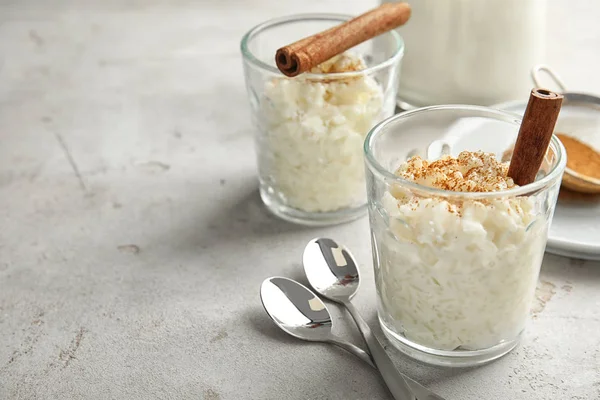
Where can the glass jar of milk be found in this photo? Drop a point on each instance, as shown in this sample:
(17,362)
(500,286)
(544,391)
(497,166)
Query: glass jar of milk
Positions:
(470,51)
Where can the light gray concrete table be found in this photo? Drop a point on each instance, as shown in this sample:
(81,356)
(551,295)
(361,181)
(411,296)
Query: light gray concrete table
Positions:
(133,242)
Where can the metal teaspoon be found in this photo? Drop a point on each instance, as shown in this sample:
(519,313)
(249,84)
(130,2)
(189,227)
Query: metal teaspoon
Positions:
(332,272)
(299,312)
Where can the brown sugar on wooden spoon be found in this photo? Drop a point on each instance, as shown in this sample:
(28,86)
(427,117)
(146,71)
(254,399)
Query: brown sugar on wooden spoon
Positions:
(582,175)
(581,158)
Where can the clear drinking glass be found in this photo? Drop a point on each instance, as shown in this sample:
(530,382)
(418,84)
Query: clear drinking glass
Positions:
(310,129)
(455,272)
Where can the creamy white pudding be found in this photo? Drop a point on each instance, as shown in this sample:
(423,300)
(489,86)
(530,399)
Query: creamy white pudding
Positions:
(313,131)
(458,273)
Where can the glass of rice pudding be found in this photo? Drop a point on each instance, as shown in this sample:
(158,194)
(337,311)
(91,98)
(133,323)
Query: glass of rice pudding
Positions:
(310,129)
(457,246)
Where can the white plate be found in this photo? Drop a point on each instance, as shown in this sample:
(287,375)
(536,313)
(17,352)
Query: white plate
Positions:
(575,230)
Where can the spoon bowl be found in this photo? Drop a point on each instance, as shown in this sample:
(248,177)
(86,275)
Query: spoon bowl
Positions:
(296,309)
(331,269)
(299,312)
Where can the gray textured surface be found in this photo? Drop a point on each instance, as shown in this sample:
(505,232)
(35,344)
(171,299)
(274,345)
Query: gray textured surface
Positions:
(133,242)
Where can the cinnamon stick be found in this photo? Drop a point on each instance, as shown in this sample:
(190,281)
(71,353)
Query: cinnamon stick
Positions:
(534,135)
(309,52)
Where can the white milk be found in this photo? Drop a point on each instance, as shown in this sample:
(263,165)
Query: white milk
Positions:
(471,51)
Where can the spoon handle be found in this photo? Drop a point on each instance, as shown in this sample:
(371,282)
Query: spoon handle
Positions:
(352,349)
(393,379)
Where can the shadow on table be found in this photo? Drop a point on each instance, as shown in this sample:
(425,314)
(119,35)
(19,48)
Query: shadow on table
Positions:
(238,220)
(246,219)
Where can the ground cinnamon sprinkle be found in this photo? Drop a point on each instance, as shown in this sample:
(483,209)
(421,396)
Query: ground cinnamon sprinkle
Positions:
(469,172)
(581,158)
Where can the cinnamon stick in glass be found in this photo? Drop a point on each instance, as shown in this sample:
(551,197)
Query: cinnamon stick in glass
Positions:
(534,135)
(309,52)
